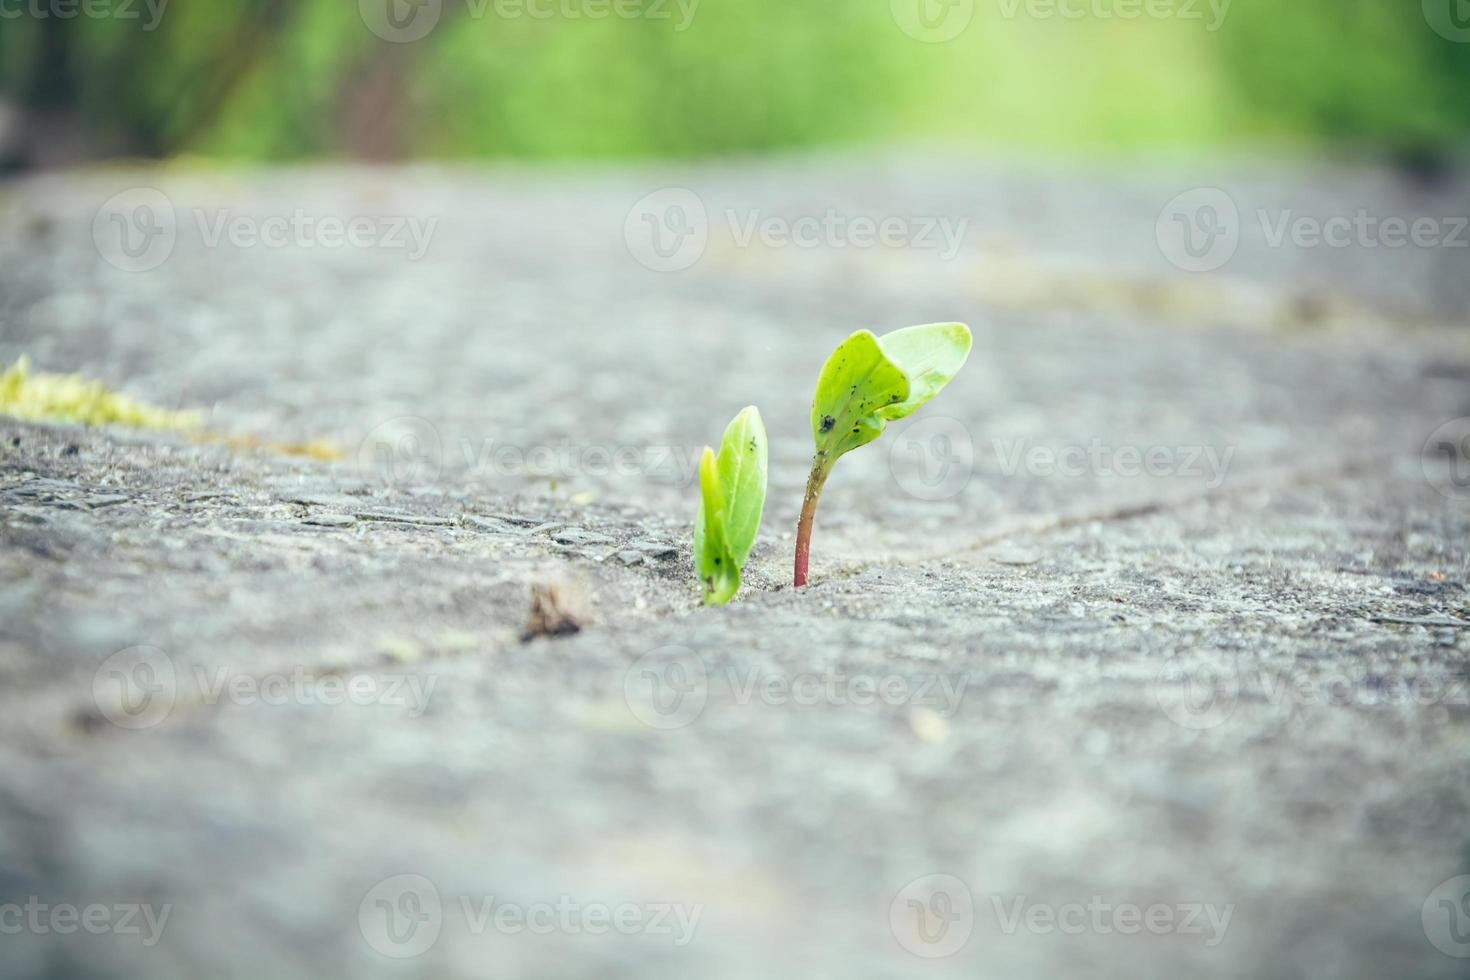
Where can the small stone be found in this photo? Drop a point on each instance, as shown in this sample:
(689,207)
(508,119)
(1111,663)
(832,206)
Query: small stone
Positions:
(516,519)
(577,535)
(631,557)
(489,524)
(558,608)
(105,500)
(330,520)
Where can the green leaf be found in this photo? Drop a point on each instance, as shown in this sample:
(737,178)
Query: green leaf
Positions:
(857,380)
(742,465)
(732,496)
(868,381)
(930,355)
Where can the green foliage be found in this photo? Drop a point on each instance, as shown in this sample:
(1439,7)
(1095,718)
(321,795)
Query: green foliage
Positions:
(291,79)
(868,381)
(736,78)
(1394,82)
(732,489)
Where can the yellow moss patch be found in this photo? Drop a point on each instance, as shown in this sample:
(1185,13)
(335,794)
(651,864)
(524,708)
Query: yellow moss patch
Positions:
(72,398)
(316,448)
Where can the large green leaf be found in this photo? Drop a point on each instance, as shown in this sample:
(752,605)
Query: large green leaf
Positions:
(868,381)
(857,380)
(930,354)
(732,489)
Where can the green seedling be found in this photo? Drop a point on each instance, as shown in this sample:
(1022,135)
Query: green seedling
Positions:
(867,382)
(732,488)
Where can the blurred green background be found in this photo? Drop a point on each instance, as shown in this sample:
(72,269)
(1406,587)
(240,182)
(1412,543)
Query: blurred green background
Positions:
(259,80)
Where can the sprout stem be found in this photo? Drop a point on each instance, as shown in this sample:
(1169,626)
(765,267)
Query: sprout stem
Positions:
(814,482)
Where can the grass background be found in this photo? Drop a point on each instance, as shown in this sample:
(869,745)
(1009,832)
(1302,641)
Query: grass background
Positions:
(267,80)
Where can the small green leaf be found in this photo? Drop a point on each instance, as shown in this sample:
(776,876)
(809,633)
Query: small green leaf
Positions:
(712,559)
(733,495)
(870,380)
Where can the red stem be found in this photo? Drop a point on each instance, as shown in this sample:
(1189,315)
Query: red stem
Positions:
(808,515)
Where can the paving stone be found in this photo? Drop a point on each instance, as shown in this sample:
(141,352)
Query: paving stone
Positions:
(1235,682)
(106,500)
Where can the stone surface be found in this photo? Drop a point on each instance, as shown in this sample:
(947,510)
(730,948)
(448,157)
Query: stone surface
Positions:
(1155,615)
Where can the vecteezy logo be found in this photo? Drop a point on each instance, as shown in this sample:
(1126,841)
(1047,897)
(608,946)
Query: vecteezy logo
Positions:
(1199,696)
(135,688)
(1446,917)
(401,452)
(1446,459)
(401,916)
(136,230)
(667,688)
(933,458)
(1449,18)
(1199,231)
(932,21)
(400,21)
(667,231)
(933,916)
